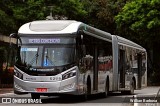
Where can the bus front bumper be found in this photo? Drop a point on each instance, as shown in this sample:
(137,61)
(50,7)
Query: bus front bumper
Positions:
(68,87)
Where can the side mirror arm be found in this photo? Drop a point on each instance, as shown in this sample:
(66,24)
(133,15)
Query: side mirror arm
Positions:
(15,35)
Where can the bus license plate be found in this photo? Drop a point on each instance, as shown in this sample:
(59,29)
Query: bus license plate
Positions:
(41,89)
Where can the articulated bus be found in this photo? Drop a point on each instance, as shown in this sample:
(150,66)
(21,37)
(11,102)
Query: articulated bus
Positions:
(66,57)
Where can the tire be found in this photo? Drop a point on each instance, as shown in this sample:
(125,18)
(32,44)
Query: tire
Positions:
(88,90)
(131,91)
(35,96)
(105,94)
(124,92)
(132,86)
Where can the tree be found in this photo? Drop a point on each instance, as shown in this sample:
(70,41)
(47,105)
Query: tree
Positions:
(6,19)
(101,13)
(27,11)
(140,19)
(106,12)
(14,13)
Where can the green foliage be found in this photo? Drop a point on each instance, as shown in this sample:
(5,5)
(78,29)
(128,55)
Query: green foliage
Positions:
(140,20)
(72,9)
(6,22)
(29,11)
(101,13)
(6,19)
(39,9)
(14,13)
(140,16)
(98,13)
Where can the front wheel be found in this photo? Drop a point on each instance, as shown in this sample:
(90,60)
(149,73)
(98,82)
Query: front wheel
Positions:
(88,90)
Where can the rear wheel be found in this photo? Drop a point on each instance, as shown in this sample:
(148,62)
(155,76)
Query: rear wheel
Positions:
(131,91)
(35,96)
(132,86)
(105,94)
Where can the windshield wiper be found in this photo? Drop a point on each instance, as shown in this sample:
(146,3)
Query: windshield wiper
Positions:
(47,58)
(35,58)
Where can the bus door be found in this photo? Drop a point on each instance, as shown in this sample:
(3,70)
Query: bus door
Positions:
(95,69)
(139,61)
(122,68)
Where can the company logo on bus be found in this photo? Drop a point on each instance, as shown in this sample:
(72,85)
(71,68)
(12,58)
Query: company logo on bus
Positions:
(44,40)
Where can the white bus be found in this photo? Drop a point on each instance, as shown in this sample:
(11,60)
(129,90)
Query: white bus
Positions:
(66,57)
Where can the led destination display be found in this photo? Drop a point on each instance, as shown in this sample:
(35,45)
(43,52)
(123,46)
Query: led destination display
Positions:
(44,40)
(27,40)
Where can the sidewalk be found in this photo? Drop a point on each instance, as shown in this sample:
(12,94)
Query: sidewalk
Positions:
(6,90)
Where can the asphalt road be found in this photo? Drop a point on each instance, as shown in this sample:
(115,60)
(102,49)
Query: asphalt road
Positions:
(114,99)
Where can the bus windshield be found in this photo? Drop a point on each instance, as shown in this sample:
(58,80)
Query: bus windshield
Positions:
(58,56)
(47,56)
(31,55)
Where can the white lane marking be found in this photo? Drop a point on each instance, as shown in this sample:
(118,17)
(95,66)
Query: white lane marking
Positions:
(147,94)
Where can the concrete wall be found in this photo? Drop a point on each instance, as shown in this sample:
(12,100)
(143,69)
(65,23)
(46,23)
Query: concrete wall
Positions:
(6,39)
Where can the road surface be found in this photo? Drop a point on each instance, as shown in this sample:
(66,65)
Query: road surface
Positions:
(114,99)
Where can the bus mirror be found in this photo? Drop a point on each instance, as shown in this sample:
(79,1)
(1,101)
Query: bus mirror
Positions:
(80,32)
(13,35)
(81,37)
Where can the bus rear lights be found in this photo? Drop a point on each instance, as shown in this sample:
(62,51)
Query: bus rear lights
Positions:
(69,74)
(18,74)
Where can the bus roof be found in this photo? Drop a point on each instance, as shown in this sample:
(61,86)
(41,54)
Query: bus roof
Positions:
(70,27)
(123,41)
(61,27)
(50,27)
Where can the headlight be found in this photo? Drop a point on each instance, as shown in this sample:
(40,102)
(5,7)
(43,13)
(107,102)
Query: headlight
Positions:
(69,74)
(18,74)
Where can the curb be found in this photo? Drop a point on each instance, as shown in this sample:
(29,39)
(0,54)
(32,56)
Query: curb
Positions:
(6,90)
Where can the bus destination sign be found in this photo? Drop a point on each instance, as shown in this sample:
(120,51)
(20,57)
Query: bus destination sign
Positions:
(27,40)
(44,41)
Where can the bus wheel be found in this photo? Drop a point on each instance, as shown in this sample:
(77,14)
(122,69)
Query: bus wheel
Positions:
(131,92)
(105,94)
(35,96)
(88,90)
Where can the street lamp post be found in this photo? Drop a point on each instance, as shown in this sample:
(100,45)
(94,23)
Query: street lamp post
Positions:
(50,17)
